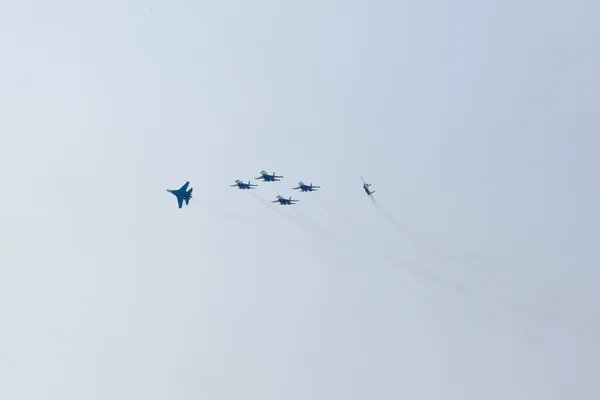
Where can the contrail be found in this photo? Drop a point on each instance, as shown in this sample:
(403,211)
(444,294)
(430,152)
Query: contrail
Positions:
(268,205)
(461,285)
(296,217)
(422,273)
(433,251)
(420,243)
(304,222)
(415,270)
(468,263)
(484,291)
(344,219)
(349,248)
(263,201)
(313,225)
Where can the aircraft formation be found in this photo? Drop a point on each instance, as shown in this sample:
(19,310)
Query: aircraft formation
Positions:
(183,194)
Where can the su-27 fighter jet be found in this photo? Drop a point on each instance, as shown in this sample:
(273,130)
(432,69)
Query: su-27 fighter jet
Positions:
(242,185)
(306,188)
(182,194)
(366,187)
(285,202)
(269,178)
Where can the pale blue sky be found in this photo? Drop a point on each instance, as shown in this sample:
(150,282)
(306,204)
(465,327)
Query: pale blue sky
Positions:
(476,122)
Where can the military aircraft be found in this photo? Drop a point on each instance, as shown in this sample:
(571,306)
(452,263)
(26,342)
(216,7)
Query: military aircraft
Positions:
(243,185)
(269,178)
(366,187)
(306,188)
(182,194)
(285,202)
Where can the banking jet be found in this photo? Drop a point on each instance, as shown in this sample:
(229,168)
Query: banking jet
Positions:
(285,202)
(242,185)
(182,194)
(269,178)
(306,188)
(366,187)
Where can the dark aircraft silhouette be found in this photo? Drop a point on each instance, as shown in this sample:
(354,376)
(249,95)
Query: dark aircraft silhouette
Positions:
(182,194)
(269,178)
(366,187)
(243,185)
(306,188)
(285,202)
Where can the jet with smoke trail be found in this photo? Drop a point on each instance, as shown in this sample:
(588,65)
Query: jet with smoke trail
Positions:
(285,202)
(243,186)
(366,188)
(306,188)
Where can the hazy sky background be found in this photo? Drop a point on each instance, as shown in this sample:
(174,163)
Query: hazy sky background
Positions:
(475,278)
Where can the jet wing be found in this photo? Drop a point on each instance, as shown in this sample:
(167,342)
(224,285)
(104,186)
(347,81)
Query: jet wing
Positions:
(185,186)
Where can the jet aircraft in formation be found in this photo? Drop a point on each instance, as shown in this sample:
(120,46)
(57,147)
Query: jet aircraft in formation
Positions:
(182,194)
(242,185)
(269,178)
(285,202)
(306,188)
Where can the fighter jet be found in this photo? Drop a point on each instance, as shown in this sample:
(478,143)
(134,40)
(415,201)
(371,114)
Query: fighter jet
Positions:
(182,194)
(285,202)
(366,187)
(306,188)
(269,178)
(243,185)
